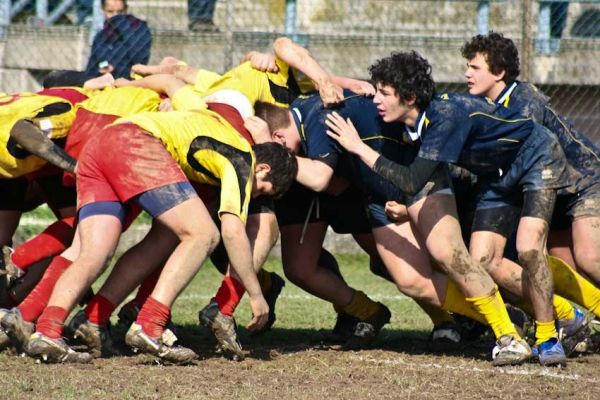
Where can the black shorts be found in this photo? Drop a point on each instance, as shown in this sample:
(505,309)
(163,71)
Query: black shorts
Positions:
(345,213)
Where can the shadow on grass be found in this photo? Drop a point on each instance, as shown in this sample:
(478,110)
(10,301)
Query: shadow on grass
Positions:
(278,341)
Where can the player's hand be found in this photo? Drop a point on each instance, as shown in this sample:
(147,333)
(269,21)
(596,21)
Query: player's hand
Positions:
(258,128)
(330,92)
(121,82)
(260,312)
(343,131)
(165,105)
(363,87)
(99,82)
(396,212)
(262,61)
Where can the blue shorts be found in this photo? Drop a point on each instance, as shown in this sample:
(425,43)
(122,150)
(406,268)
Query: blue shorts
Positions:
(540,164)
(154,202)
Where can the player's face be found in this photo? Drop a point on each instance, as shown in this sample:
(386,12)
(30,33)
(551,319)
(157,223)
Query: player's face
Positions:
(113,7)
(480,80)
(390,106)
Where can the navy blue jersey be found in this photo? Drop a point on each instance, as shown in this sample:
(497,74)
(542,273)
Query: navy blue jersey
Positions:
(471,132)
(581,153)
(309,116)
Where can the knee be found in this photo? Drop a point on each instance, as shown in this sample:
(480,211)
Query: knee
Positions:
(298,276)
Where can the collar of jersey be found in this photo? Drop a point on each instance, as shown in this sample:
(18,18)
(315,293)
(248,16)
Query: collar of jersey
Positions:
(416,134)
(298,121)
(506,93)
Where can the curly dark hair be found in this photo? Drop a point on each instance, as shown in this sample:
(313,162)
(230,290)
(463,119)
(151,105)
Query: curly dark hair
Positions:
(284,165)
(500,53)
(408,73)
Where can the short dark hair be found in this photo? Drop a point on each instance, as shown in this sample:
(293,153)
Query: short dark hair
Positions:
(277,117)
(284,166)
(103,2)
(408,73)
(500,53)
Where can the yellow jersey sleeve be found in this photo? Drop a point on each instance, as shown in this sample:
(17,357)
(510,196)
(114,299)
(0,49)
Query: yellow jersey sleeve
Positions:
(205,79)
(187,98)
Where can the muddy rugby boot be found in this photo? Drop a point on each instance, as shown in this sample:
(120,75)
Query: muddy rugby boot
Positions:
(574,331)
(510,351)
(17,329)
(54,350)
(141,342)
(96,338)
(223,329)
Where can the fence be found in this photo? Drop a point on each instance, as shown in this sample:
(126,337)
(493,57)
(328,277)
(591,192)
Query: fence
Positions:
(559,41)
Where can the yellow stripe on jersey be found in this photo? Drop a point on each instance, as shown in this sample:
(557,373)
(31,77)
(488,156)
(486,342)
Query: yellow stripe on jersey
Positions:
(208,150)
(15,161)
(122,101)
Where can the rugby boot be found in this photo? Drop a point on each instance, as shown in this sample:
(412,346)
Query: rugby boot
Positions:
(445,336)
(141,342)
(96,338)
(17,329)
(551,353)
(367,330)
(4,338)
(510,351)
(223,329)
(277,284)
(128,315)
(574,331)
(10,269)
(54,350)
(343,328)
(520,320)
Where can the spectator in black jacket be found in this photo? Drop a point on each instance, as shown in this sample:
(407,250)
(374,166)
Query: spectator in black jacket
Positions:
(124,40)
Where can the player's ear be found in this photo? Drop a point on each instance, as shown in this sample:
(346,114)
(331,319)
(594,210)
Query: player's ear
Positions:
(263,168)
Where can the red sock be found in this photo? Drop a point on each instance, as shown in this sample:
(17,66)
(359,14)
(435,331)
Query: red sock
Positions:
(51,322)
(229,295)
(146,288)
(33,305)
(99,309)
(153,317)
(51,242)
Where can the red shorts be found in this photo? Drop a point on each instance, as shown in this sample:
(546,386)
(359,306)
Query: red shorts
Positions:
(86,125)
(121,162)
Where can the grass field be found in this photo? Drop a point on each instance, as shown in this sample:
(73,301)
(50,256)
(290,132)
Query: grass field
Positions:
(291,361)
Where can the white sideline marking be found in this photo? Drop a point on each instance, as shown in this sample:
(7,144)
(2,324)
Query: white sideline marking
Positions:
(544,372)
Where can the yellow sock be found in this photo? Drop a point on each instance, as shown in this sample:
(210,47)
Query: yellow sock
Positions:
(562,308)
(456,302)
(569,284)
(437,315)
(492,307)
(544,331)
(361,306)
(264,280)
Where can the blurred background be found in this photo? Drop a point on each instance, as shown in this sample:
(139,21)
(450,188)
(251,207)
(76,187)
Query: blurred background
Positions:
(559,41)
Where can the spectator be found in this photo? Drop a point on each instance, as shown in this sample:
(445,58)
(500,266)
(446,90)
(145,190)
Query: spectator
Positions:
(200,15)
(123,41)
